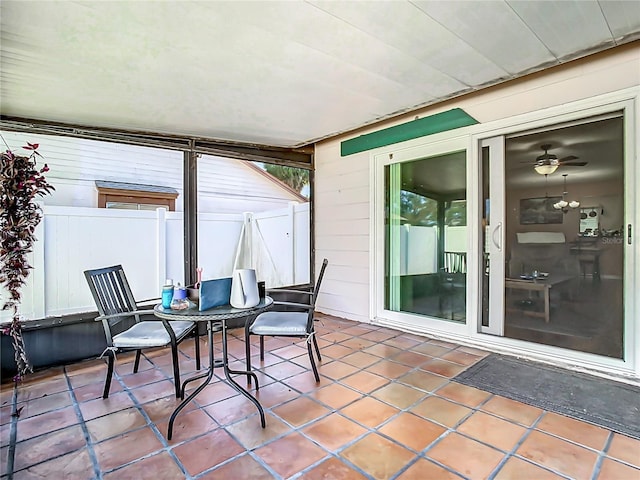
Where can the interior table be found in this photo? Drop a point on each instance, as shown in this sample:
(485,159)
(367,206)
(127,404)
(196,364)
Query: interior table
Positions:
(543,285)
(216,319)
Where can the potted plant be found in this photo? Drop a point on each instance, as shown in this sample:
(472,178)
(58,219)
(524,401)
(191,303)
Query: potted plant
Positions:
(21,182)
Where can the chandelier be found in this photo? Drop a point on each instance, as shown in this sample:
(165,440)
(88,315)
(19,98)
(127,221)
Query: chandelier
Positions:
(563,204)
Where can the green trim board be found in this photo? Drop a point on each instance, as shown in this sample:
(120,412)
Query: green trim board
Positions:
(439,122)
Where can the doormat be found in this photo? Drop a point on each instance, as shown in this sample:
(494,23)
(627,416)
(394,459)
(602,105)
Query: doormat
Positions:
(609,404)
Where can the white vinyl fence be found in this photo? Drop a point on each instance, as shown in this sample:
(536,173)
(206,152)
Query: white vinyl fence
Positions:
(149,245)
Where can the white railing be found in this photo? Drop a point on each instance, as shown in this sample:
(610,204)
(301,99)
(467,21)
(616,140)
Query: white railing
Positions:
(149,245)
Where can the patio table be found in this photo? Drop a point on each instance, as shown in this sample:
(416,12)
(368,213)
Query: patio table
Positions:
(216,319)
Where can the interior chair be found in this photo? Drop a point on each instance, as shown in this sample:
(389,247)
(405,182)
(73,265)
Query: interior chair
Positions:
(287,319)
(124,328)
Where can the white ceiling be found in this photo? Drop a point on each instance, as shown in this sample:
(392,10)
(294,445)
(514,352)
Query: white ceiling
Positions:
(281,73)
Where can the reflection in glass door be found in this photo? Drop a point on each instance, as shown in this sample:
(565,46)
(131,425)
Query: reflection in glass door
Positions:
(426,237)
(563,236)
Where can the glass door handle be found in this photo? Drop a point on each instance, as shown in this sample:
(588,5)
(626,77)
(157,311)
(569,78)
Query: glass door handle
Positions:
(498,243)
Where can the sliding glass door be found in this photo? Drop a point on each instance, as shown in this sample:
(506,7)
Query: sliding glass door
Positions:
(553,225)
(426,236)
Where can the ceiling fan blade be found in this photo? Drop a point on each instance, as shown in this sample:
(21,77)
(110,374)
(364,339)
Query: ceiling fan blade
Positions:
(573,164)
(568,158)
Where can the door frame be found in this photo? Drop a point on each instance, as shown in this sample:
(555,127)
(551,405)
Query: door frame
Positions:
(626,100)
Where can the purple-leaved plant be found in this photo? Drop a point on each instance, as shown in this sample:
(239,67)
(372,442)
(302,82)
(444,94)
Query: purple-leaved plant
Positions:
(20,183)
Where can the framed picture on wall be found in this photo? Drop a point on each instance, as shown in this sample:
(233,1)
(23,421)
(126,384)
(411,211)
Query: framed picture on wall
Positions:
(539,211)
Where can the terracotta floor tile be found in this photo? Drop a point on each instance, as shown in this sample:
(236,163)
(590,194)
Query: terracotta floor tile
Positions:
(73,466)
(460,357)
(153,391)
(431,349)
(474,351)
(404,342)
(365,454)
(423,380)
(360,359)
(337,337)
(4,453)
(512,410)
(611,469)
(335,395)
(50,445)
(214,392)
(300,411)
(158,467)
(364,381)
(336,370)
(125,448)
(207,451)
(356,330)
(492,430)
(424,469)
(472,397)
(380,335)
(5,434)
(441,411)
(336,351)
(89,378)
(412,359)
(477,461)
(5,413)
(369,411)
(114,424)
(332,469)
(244,467)
(188,425)
(153,375)
(40,389)
(274,394)
(558,455)
(625,448)
(45,423)
(518,469)
(443,367)
(398,395)
(162,408)
(46,403)
(575,430)
(383,351)
(102,406)
(305,381)
(93,391)
(412,431)
(290,454)
(250,433)
(334,431)
(357,343)
(388,369)
(230,410)
(289,352)
(284,370)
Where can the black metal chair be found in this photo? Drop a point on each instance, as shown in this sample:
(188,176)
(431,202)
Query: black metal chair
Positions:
(290,319)
(120,313)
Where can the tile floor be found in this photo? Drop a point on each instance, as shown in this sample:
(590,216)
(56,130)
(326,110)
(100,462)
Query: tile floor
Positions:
(385,408)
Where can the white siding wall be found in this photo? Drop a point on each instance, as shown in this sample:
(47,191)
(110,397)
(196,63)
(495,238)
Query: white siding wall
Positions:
(342,225)
(224,185)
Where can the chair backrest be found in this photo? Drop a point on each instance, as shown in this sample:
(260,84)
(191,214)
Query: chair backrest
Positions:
(316,288)
(110,290)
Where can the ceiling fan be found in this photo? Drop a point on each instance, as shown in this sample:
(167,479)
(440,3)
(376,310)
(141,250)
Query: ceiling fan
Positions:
(547,163)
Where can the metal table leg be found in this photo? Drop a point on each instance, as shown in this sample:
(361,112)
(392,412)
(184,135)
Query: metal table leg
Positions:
(208,376)
(232,382)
